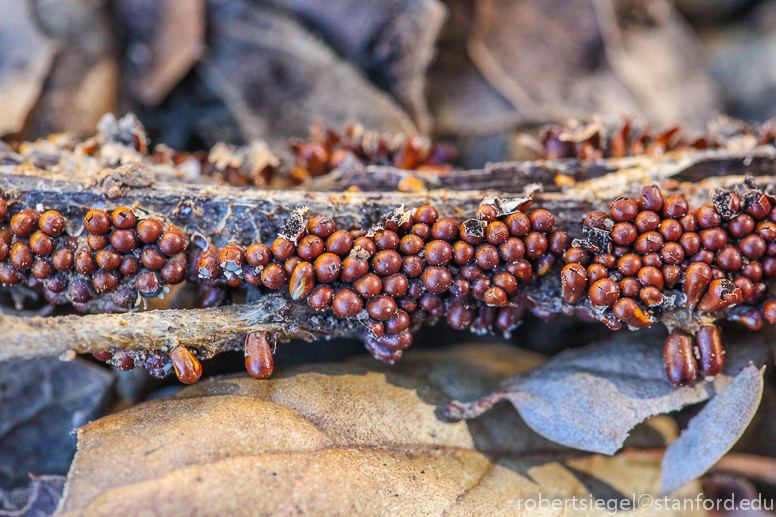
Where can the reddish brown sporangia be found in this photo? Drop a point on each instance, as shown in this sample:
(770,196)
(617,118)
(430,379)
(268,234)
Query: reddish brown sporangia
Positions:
(384,273)
(653,259)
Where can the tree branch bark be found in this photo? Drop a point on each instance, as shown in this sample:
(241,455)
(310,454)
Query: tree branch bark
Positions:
(515,176)
(223,214)
(211,330)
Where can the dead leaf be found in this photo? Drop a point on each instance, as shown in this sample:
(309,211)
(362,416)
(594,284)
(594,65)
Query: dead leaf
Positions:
(164,40)
(84,80)
(466,109)
(26,58)
(606,57)
(38,499)
(713,431)
(590,398)
(508,64)
(392,41)
(357,438)
(41,402)
(277,79)
(659,58)
(742,49)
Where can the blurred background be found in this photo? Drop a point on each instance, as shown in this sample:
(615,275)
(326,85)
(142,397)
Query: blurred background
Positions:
(475,73)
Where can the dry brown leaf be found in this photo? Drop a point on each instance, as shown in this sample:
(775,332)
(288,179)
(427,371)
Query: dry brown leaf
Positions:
(342,439)
(83,83)
(465,107)
(506,64)
(276,78)
(392,41)
(26,58)
(714,430)
(592,56)
(164,40)
(590,398)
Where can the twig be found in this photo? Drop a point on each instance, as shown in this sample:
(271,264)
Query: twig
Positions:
(210,330)
(515,176)
(760,469)
(222,214)
(757,468)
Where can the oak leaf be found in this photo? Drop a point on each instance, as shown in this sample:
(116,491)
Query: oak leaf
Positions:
(357,438)
(27,56)
(41,401)
(590,398)
(714,430)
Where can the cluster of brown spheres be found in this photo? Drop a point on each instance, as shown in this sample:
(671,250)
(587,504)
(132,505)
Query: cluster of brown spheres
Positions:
(327,150)
(118,255)
(388,279)
(633,138)
(651,255)
(402,274)
(632,266)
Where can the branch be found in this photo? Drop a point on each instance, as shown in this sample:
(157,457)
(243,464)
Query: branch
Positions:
(757,468)
(223,214)
(687,166)
(212,330)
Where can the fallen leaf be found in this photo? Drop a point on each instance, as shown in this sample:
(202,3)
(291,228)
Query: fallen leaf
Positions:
(355,438)
(392,41)
(164,40)
(41,402)
(38,499)
(590,398)
(83,83)
(466,109)
(658,57)
(713,431)
(277,79)
(515,64)
(606,57)
(26,58)
(743,49)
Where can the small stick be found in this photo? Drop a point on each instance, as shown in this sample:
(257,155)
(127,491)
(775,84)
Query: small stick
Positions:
(211,330)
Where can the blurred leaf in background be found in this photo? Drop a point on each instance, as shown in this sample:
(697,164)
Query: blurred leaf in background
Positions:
(41,402)
(478,73)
